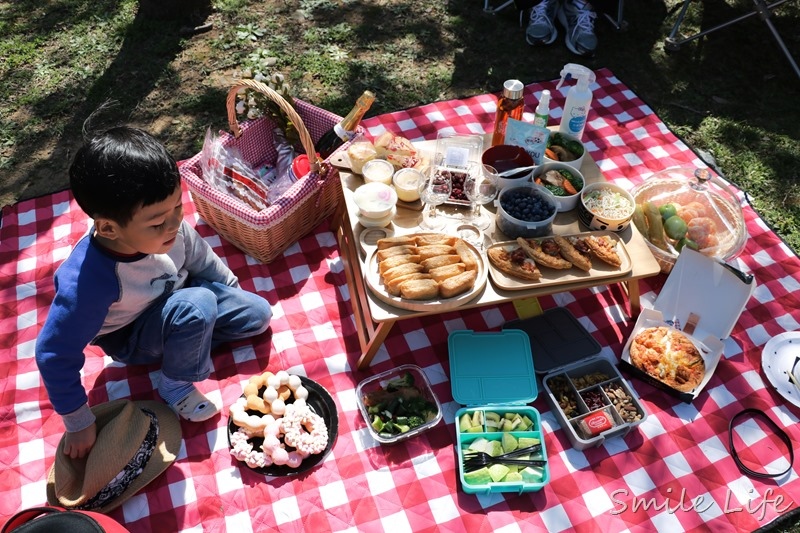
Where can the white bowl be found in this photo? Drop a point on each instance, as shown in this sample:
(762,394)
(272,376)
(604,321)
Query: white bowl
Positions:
(378,171)
(377,222)
(375,199)
(575,163)
(597,220)
(565,202)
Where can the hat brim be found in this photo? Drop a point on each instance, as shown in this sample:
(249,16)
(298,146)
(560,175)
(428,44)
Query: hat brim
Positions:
(168,446)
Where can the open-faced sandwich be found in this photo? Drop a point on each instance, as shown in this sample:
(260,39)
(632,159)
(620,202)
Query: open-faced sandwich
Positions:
(514,261)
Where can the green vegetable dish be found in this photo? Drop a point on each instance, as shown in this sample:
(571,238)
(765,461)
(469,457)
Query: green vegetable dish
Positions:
(399,406)
(564,148)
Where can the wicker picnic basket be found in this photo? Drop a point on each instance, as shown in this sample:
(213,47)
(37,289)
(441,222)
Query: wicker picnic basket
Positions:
(266,234)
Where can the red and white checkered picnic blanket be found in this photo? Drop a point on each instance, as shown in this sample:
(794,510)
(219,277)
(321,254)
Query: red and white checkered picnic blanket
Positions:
(673,473)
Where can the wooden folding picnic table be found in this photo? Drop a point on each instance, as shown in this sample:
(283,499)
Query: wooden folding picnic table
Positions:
(374,317)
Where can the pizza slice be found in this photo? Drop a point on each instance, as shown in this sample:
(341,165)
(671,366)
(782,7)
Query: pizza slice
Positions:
(545,252)
(514,262)
(576,252)
(604,248)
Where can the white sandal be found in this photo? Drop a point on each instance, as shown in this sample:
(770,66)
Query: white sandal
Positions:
(195,407)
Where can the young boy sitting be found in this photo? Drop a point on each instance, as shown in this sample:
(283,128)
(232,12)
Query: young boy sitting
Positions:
(142,285)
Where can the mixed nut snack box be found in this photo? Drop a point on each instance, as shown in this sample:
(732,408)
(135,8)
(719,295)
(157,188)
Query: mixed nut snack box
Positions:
(585,391)
(703,298)
(492,375)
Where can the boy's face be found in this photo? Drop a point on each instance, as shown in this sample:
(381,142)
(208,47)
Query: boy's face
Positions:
(151,231)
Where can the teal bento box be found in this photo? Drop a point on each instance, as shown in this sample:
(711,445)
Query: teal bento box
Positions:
(492,375)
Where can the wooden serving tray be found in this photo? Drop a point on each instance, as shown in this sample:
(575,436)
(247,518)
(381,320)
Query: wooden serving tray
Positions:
(375,284)
(550,276)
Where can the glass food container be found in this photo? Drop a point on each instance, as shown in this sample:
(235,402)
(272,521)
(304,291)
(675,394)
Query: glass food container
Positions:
(711,218)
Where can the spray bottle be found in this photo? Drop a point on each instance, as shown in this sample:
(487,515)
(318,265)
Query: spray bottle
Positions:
(579,99)
(542,113)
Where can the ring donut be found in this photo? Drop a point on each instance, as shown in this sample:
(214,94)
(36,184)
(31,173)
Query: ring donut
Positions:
(254,400)
(285,420)
(304,430)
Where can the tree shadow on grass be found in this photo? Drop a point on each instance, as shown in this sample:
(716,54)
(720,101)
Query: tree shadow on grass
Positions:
(141,65)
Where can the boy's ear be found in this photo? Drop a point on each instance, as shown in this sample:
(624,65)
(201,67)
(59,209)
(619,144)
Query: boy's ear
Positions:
(106,228)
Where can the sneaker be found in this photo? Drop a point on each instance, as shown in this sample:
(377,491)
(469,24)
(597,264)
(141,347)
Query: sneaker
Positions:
(577,17)
(195,407)
(542,28)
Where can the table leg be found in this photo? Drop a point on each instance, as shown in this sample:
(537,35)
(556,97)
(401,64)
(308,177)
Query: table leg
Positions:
(633,297)
(370,345)
(370,335)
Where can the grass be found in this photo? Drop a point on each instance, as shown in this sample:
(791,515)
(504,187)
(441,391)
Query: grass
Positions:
(731,96)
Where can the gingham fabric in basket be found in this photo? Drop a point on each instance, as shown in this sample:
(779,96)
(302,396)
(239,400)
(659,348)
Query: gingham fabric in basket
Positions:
(256,147)
(673,473)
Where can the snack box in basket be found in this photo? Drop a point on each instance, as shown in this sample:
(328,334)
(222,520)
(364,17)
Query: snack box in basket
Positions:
(492,376)
(703,298)
(585,391)
(377,382)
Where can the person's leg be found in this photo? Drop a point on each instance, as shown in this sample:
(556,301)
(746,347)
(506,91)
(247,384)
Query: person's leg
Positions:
(577,17)
(240,313)
(176,332)
(541,28)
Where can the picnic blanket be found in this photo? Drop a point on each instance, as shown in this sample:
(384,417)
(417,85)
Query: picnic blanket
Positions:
(673,473)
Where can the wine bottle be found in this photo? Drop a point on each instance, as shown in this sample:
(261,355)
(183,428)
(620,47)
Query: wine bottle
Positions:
(344,130)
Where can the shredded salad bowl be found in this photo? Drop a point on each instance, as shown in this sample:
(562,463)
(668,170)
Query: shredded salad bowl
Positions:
(605,206)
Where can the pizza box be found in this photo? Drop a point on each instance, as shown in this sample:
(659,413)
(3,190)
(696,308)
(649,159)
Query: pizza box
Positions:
(492,372)
(703,298)
(586,393)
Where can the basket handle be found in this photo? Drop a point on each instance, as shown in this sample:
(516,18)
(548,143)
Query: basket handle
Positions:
(286,107)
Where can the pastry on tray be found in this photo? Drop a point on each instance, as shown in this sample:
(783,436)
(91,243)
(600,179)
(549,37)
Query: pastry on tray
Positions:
(604,248)
(426,267)
(669,356)
(545,252)
(575,251)
(514,262)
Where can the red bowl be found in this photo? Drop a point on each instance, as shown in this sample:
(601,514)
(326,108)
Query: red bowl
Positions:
(505,157)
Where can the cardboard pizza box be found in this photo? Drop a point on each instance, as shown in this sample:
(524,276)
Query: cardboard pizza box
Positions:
(703,298)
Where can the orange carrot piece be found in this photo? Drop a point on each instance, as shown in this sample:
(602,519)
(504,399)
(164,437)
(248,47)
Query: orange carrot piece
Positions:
(551,154)
(569,187)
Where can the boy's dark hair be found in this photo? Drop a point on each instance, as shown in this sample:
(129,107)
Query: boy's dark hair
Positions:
(119,170)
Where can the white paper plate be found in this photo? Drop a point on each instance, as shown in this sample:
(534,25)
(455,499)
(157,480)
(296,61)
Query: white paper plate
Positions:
(780,356)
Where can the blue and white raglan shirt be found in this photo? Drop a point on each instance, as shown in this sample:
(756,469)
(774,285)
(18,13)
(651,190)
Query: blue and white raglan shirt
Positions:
(97,292)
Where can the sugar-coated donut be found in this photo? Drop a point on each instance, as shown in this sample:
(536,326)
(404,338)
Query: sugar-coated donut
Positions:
(286,420)
(304,430)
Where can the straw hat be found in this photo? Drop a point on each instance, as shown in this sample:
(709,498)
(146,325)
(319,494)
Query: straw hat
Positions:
(136,441)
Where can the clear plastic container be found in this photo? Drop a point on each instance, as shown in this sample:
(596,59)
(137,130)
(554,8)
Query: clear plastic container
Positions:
(514,227)
(718,220)
(376,383)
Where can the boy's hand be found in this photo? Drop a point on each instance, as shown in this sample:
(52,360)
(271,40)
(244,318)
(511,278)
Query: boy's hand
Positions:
(78,443)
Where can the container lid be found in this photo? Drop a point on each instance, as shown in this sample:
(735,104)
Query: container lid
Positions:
(706,293)
(491,367)
(557,339)
(513,89)
(704,201)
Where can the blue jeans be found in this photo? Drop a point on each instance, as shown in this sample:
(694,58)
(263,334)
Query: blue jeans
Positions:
(180,330)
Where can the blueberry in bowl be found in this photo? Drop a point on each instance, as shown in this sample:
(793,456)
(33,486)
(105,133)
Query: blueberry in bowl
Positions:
(525,211)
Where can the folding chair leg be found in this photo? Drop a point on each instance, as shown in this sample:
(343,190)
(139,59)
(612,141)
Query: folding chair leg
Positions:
(489,9)
(619,23)
(762,9)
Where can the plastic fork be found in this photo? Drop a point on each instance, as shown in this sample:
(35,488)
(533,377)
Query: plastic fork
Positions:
(474,460)
(481,459)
